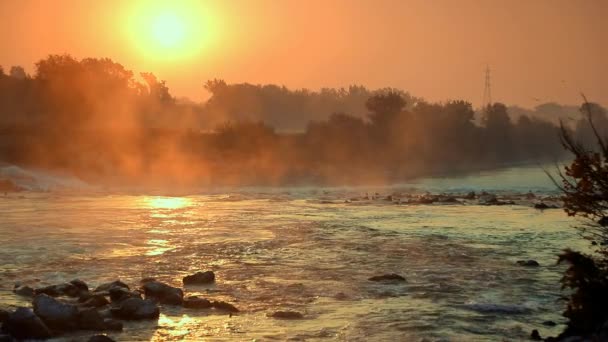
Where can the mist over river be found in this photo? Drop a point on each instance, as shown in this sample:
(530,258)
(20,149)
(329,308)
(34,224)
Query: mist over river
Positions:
(309,250)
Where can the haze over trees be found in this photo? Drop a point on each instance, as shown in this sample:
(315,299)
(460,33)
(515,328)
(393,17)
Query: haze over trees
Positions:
(94,118)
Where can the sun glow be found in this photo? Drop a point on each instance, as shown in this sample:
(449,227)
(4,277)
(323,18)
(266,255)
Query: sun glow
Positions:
(169,30)
(167,202)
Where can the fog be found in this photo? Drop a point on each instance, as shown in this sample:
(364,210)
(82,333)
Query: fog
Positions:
(95,119)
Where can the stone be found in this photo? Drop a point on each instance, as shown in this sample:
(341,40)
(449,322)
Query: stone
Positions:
(107,286)
(118,294)
(535,336)
(471,195)
(195,302)
(543,206)
(112,324)
(66,289)
(163,293)
(387,277)
(136,309)
(90,319)
(81,285)
(100,338)
(220,305)
(4,315)
(528,263)
(147,280)
(287,315)
(24,324)
(96,301)
(55,314)
(199,278)
(24,291)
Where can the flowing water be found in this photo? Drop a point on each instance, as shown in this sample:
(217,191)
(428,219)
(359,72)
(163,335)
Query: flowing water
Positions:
(307,250)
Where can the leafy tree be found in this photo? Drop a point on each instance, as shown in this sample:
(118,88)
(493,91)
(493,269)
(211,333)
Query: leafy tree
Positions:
(18,72)
(585,194)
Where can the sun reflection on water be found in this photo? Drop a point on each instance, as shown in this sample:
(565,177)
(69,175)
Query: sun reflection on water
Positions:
(167,202)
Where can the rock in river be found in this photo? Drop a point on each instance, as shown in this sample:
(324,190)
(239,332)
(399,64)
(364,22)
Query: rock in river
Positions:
(107,286)
(163,293)
(54,313)
(194,302)
(91,319)
(287,315)
(136,309)
(118,294)
(24,324)
(23,290)
(387,277)
(100,338)
(224,306)
(199,278)
(528,263)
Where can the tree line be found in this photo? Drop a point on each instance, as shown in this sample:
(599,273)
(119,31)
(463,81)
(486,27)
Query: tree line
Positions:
(95,118)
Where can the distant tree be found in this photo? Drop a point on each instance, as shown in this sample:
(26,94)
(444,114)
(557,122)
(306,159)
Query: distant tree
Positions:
(595,114)
(18,72)
(157,89)
(498,132)
(384,107)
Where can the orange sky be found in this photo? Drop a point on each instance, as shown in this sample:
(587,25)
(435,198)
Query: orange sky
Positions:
(538,50)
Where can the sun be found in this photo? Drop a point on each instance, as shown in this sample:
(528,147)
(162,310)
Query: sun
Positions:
(168,30)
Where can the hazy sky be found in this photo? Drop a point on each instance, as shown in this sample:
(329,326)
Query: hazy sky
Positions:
(537,50)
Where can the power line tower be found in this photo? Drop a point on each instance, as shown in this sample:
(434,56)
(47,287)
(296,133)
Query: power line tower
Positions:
(487,91)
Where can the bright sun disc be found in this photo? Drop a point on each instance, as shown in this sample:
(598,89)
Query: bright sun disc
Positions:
(168,30)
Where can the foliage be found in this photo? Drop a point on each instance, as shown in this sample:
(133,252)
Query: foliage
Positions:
(585,194)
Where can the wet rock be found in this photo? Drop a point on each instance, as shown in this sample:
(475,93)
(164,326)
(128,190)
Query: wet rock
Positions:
(107,286)
(528,263)
(54,313)
(4,315)
(195,302)
(136,309)
(448,199)
(199,278)
(96,301)
(100,338)
(287,315)
(112,324)
(66,289)
(535,336)
(163,293)
(118,294)
(387,277)
(549,323)
(470,196)
(24,324)
(487,199)
(543,206)
(81,285)
(24,291)
(147,280)
(90,319)
(224,306)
